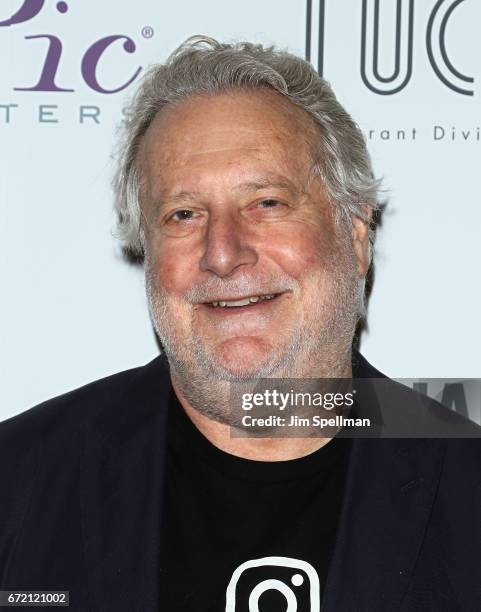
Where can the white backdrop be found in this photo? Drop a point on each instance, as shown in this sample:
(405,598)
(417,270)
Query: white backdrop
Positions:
(72,311)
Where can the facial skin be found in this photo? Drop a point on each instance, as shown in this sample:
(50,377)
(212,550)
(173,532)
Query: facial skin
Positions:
(232,210)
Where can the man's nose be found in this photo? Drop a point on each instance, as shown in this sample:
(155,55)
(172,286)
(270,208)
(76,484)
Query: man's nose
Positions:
(227,246)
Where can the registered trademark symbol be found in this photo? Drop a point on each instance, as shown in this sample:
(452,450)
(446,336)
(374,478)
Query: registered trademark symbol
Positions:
(62,7)
(147,31)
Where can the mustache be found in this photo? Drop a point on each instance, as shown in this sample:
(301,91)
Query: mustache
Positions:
(213,288)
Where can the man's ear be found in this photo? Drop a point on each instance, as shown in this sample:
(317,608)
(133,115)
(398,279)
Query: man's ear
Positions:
(360,239)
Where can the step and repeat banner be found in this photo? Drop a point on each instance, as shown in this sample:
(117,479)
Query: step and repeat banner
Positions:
(409,72)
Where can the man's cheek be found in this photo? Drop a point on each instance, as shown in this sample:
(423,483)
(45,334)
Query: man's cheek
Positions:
(295,254)
(173,276)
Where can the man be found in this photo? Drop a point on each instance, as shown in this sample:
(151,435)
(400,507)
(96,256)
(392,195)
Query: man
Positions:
(249,192)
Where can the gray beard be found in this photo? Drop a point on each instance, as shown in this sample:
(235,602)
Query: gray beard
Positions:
(311,353)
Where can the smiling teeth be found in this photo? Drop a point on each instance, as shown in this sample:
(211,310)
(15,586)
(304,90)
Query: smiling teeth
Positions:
(243,302)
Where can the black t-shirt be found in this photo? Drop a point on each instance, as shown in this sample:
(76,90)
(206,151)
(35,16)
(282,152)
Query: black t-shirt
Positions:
(238,533)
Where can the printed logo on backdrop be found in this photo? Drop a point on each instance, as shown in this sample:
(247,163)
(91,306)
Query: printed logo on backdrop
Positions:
(376,45)
(372,44)
(53,48)
(373,73)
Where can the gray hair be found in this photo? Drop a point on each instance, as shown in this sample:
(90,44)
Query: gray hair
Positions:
(202,65)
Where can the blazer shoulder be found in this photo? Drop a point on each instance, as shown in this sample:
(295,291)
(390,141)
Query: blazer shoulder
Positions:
(41,449)
(65,414)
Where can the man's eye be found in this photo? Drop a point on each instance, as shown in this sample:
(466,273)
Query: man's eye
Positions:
(269,203)
(182,222)
(181,215)
(270,208)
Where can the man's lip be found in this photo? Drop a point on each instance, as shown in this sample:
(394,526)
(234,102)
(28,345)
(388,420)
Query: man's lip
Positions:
(242,297)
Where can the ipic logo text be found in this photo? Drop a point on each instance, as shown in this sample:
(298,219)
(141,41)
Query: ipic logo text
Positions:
(90,58)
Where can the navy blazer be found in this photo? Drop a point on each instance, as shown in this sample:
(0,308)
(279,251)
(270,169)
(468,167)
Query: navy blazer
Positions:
(81,481)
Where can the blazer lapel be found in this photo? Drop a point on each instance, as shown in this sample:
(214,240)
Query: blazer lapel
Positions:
(390,490)
(121,494)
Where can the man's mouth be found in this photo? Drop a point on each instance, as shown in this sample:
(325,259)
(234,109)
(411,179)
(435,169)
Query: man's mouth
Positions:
(242,302)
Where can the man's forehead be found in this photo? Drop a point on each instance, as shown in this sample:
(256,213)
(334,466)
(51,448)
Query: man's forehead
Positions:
(251,121)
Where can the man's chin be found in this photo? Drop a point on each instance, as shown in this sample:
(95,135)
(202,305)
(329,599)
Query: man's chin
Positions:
(246,357)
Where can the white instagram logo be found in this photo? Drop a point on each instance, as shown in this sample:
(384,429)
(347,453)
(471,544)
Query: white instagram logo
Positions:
(276,585)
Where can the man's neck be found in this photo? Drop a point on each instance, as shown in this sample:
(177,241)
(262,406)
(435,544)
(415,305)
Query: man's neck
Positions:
(258,449)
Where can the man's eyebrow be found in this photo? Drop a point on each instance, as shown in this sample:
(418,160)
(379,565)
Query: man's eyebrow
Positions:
(266,183)
(246,186)
(181,196)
